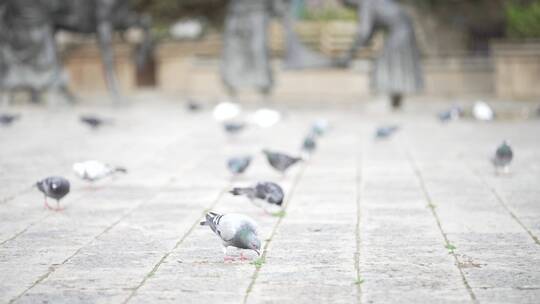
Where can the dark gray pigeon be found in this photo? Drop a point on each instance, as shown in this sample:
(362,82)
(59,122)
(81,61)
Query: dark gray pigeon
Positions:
(454,113)
(309,144)
(193,105)
(386,131)
(235,230)
(237,165)
(267,195)
(54,187)
(233,128)
(280,161)
(8,119)
(93,121)
(503,157)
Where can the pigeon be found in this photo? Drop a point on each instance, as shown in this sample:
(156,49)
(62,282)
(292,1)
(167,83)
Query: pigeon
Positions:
(265,118)
(309,144)
(237,165)
(226,111)
(93,121)
(280,161)
(8,119)
(320,127)
(235,230)
(482,111)
(233,128)
(386,131)
(267,195)
(54,187)
(93,170)
(454,113)
(193,105)
(503,157)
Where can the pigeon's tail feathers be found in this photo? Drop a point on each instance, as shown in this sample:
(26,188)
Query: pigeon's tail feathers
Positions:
(203,223)
(240,191)
(212,219)
(39,185)
(120,170)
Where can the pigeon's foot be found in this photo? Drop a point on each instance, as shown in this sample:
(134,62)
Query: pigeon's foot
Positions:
(242,257)
(46,206)
(228,259)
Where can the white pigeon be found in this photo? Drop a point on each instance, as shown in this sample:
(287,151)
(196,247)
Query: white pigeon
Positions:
(265,118)
(482,111)
(93,170)
(226,111)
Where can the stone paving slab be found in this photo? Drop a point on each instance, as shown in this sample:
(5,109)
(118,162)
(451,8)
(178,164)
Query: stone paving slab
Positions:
(418,218)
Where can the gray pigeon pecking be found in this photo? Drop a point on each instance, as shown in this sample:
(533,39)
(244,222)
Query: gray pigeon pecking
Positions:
(319,127)
(54,187)
(386,131)
(238,165)
(8,119)
(309,144)
(503,157)
(235,230)
(454,113)
(267,195)
(280,161)
(233,128)
(93,121)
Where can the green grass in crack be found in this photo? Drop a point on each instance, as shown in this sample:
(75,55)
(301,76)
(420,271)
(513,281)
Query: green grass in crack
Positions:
(450,248)
(258,262)
(279,213)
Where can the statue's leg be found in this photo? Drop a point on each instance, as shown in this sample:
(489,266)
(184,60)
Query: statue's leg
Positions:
(105,32)
(396,100)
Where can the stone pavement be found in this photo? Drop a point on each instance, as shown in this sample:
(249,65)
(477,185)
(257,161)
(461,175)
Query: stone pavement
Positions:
(418,218)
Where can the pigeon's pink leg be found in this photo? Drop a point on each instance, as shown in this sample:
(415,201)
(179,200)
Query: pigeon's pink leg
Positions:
(58,208)
(46,205)
(242,257)
(228,259)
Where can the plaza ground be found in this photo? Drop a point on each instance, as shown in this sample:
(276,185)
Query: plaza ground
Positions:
(418,218)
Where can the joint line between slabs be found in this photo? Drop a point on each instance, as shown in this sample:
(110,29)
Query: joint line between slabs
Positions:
(54,267)
(274,230)
(438,221)
(502,202)
(176,246)
(359,186)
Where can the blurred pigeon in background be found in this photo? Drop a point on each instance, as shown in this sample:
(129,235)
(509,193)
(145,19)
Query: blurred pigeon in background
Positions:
(386,131)
(235,230)
(320,127)
(193,105)
(237,165)
(309,144)
(233,127)
(452,114)
(482,111)
(503,157)
(8,119)
(93,121)
(93,170)
(54,187)
(226,111)
(280,161)
(266,195)
(265,118)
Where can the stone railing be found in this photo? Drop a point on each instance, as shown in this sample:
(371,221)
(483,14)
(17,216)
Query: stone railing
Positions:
(517,69)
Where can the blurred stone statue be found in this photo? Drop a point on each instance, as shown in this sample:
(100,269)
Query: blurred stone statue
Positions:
(29,59)
(246,55)
(28,55)
(246,62)
(397,70)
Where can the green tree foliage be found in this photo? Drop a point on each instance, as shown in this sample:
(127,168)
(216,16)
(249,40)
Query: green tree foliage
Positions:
(523,21)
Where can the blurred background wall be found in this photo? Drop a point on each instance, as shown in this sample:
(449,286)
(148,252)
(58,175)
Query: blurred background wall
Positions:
(470,48)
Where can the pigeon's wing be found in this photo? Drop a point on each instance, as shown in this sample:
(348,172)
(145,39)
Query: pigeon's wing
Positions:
(270,192)
(231,223)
